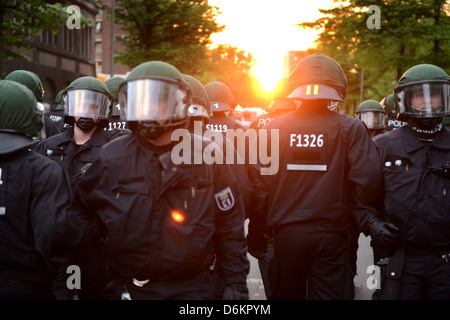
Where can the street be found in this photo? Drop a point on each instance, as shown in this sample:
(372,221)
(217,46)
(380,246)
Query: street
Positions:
(363,279)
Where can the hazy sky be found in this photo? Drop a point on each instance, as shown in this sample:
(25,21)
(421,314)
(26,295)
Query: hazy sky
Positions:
(266,29)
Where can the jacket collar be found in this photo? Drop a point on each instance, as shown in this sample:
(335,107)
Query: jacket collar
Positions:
(412,143)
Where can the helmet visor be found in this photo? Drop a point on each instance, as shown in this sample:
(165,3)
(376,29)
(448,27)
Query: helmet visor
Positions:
(424,99)
(373,119)
(87,103)
(152,99)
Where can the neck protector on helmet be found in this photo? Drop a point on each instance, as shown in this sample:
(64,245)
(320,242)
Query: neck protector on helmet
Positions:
(425,128)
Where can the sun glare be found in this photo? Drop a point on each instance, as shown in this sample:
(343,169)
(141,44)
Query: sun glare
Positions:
(267,29)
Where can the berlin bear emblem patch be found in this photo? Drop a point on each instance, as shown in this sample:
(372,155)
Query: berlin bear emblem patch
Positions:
(224,199)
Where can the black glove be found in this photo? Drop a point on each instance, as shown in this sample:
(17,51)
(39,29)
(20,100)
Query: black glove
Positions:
(235,292)
(257,245)
(383,232)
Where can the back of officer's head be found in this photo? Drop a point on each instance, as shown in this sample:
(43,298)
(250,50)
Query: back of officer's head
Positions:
(30,80)
(220,97)
(19,116)
(318,81)
(200,107)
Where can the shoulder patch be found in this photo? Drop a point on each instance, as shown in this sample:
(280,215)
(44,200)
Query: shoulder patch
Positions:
(224,199)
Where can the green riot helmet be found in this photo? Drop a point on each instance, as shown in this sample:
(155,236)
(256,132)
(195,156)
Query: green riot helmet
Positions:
(154,98)
(20,119)
(113,86)
(200,106)
(58,104)
(388,104)
(30,80)
(371,112)
(220,97)
(423,91)
(318,77)
(279,96)
(89,99)
(422,97)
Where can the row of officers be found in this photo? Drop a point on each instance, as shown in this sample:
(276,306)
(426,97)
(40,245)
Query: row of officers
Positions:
(97,187)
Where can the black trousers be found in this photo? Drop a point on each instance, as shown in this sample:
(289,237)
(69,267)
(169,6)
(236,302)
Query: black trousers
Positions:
(23,290)
(311,264)
(425,277)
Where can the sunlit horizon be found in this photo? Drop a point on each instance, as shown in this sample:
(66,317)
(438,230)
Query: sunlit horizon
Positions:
(267,29)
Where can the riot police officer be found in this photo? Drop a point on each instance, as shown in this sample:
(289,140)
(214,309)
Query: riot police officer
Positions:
(415,166)
(88,104)
(34,199)
(33,82)
(222,104)
(329,178)
(54,117)
(392,121)
(200,109)
(279,105)
(373,115)
(163,219)
(114,120)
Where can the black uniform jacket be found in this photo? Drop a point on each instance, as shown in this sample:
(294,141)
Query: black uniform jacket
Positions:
(164,220)
(417,198)
(34,201)
(328,172)
(63,149)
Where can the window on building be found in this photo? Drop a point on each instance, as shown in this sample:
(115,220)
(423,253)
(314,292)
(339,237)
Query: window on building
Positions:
(98,27)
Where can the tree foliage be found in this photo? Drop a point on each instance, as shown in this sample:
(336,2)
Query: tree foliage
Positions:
(178,32)
(20,20)
(410,32)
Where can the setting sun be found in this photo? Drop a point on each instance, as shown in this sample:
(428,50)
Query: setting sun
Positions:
(267,29)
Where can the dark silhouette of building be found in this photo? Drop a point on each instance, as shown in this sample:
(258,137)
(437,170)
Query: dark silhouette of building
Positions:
(59,59)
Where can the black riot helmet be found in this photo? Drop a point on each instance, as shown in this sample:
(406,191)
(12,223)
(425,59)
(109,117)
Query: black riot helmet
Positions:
(220,97)
(279,97)
(154,98)
(318,77)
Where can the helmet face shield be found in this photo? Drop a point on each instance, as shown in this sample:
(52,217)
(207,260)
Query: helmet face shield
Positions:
(425,99)
(373,119)
(87,103)
(152,99)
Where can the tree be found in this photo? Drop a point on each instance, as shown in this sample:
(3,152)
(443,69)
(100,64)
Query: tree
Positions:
(20,20)
(178,32)
(410,32)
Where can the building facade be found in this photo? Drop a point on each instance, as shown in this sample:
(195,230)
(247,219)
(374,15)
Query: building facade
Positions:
(59,59)
(107,42)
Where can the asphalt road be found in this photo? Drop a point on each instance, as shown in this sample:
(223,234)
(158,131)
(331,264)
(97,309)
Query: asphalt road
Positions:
(365,281)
